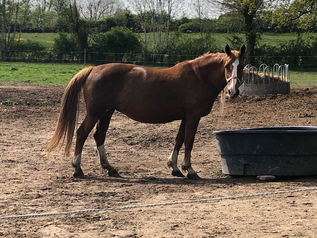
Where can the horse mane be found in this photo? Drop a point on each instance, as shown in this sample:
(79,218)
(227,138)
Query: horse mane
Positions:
(201,59)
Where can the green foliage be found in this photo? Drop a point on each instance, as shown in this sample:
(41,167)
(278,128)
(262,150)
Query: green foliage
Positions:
(64,47)
(118,44)
(299,53)
(297,15)
(190,27)
(230,22)
(7,102)
(235,41)
(109,23)
(28,50)
(296,50)
(299,234)
(183,47)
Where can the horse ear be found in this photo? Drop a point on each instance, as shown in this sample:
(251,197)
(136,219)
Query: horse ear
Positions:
(242,50)
(228,50)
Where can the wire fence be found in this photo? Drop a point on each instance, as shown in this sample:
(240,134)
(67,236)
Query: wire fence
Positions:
(144,58)
(92,57)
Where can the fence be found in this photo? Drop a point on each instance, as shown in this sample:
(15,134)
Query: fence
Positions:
(143,58)
(89,57)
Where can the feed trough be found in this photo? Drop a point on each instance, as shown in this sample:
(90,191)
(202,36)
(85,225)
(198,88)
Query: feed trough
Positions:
(278,151)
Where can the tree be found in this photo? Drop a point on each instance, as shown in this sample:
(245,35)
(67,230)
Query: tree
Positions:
(24,17)
(94,10)
(230,22)
(77,26)
(43,19)
(155,16)
(60,7)
(8,22)
(301,13)
(249,9)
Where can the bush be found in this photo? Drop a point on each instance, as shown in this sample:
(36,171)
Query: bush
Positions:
(190,27)
(118,44)
(298,53)
(64,47)
(183,47)
(24,50)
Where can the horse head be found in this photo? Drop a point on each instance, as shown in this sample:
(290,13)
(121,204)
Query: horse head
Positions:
(234,70)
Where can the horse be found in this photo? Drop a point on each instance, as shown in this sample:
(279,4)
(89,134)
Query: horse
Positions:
(184,92)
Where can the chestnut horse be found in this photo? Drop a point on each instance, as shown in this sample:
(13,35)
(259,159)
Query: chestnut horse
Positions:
(184,92)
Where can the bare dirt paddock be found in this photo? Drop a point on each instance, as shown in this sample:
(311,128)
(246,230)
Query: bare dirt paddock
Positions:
(32,182)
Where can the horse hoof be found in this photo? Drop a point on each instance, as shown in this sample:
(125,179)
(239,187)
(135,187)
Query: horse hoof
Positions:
(193,176)
(113,173)
(78,173)
(177,173)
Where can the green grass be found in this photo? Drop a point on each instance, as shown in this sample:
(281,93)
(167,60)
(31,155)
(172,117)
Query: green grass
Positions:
(37,73)
(303,79)
(47,39)
(275,39)
(60,74)
(221,39)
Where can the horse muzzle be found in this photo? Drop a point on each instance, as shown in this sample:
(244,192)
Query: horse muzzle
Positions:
(234,96)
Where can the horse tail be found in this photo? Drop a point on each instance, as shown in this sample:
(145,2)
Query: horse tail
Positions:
(68,114)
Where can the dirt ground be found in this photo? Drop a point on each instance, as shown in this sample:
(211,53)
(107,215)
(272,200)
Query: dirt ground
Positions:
(32,182)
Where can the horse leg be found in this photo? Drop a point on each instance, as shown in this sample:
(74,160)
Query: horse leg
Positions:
(100,136)
(82,134)
(190,131)
(172,161)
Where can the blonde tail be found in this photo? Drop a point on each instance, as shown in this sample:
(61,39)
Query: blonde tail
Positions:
(68,115)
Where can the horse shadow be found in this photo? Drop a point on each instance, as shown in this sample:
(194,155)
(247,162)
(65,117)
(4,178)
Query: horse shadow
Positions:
(227,180)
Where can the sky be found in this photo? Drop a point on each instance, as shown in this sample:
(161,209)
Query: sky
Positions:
(188,8)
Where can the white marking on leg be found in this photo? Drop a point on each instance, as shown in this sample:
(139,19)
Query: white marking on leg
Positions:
(103,157)
(77,160)
(172,162)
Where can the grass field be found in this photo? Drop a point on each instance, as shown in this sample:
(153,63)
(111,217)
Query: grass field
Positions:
(37,73)
(303,79)
(60,74)
(47,39)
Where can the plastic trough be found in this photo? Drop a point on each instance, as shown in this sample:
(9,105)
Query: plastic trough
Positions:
(278,151)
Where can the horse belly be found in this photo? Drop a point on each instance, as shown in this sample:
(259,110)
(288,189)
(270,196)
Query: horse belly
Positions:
(151,112)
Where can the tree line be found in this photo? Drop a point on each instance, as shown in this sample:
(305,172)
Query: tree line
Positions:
(107,30)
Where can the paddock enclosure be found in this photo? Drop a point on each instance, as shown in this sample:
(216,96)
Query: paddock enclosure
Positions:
(147,201)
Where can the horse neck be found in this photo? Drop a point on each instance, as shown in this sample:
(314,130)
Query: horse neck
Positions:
(214,76)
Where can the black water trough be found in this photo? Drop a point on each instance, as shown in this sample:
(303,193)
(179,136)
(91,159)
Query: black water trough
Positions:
(278,151)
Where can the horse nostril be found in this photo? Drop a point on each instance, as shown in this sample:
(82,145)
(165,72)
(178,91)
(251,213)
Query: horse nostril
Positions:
(229,92)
